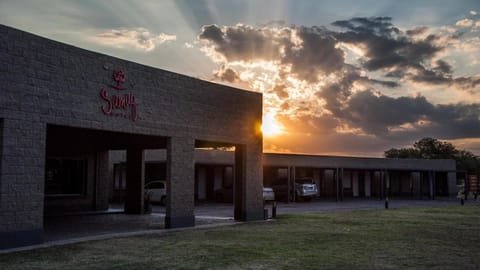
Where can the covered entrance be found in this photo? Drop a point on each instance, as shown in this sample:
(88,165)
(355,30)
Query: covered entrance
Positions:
(79,174)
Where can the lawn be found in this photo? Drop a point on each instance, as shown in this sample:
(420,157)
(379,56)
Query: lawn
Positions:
(422,238)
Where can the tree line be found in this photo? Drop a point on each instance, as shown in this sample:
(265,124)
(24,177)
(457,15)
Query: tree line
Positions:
(430,148)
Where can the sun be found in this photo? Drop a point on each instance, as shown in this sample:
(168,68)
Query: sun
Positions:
(270,126)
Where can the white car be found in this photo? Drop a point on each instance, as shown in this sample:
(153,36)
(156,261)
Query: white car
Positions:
(157,191)
(268,194)
(305,189)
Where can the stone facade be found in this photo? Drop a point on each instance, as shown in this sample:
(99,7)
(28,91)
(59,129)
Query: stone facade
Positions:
(47,87)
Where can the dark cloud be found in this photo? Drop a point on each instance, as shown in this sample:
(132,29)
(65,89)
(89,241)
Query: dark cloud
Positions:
(467,83)
(417,31)
(226,74)
(401,55)
(457,120)
(335,95)
(386,46)
(316,53)
(376,113)
(243,42)
(443,67)
(212,33)
(383,116)
(381,26)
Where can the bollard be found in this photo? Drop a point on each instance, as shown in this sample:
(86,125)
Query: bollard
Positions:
(274,209)
(386,203)
(462,201)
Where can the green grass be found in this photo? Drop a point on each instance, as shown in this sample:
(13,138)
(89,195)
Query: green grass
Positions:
(426,238)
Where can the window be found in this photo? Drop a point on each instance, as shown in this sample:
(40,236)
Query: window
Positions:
(65,176)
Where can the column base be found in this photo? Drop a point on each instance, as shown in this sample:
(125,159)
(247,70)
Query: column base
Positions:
(21,238)
(179,222)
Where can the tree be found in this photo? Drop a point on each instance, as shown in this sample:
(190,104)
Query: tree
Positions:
(430,148)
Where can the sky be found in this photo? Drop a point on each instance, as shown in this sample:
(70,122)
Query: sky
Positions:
(350,78)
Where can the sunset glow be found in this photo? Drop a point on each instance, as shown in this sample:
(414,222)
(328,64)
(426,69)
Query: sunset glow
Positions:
(271,127)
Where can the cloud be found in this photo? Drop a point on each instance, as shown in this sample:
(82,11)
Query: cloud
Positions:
(386,47)
(409,56)
(242,42)
(137,38)
(417,31)
(374,113)
(350,82)
(315,55)
(226,74)
(473,12)
(280,91)
(305,51)
(464,23)
(384,117)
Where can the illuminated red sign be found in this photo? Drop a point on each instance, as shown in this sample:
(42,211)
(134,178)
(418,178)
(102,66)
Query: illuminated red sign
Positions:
(123,104)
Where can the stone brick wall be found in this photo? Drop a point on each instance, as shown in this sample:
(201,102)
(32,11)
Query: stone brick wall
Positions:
(21,178)
(58,83)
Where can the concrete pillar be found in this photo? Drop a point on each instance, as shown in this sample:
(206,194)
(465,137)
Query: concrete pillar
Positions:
(180,183)
(337,184)
(386,175)
(239,185)
(355,183)
(294,181)
(135,181)
(430,186)
(289,184)
(102,181)
(342,176)
(22,180)
(416,184)
(248,182)
(316,179)
(382,185)
(368,183)
(452,184)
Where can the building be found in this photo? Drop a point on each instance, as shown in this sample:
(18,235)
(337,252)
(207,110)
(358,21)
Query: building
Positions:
(62,109)
(359,177)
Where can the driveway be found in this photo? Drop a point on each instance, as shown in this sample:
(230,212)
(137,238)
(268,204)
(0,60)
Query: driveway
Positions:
(221,210)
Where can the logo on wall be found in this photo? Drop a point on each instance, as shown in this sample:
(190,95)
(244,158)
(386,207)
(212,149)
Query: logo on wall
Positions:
(120,103)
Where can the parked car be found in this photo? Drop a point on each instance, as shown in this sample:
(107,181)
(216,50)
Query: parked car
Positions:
(305,188)
(268,194)
(157,191)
